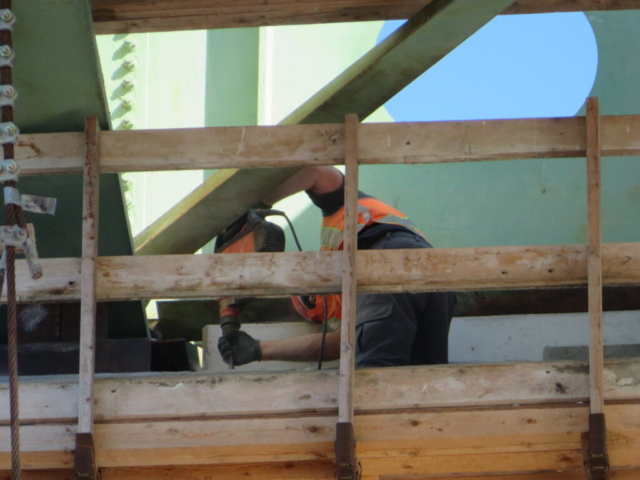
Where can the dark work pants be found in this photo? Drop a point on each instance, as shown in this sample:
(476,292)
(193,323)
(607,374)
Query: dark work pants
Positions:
(395,329)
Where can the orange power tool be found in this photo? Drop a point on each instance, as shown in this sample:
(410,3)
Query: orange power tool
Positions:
(250,233)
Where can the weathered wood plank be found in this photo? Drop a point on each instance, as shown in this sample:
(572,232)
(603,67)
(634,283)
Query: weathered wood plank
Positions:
(446,442)
(318,470)
(305,145)
(126,16)
(594,258)
(91,195)
(274,274)
(547,475)
(191,397)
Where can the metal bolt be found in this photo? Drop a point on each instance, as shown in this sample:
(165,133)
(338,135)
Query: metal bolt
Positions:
(126,124)
(129,45)
(11,129)
(127,103)
(129,64)
(9,91)
(5,51)
(128,84)
(12,167)
(22,232)
(7,16)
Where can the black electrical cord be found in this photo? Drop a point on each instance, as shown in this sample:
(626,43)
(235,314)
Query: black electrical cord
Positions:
(324,331)
(268,212)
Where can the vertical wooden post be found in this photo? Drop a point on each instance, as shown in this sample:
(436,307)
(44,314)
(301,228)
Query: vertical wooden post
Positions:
(85,455)
(347,335)
(596,362)
(346,462)
(596,458)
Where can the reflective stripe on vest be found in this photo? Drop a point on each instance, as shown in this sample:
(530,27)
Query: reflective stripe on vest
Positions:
(370,210)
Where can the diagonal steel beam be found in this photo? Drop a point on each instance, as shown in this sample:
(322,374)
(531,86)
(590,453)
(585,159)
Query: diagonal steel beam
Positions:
(427,37)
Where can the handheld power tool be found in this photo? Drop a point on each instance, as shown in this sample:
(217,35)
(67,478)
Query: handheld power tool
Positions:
(250,233)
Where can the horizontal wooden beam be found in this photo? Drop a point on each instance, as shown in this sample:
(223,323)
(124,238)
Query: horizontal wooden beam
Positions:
(129,16)
(277,274)
(304,145)
(445,442)
(170,397)
(288,420)
(316,471)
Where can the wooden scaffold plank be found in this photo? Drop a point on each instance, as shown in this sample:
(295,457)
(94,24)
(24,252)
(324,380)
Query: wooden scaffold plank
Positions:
(126,16)
(267,274)
(145,397)
(500,418)
(313,145)
(451,441)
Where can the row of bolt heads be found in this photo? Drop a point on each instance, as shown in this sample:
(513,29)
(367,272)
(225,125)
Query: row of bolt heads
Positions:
(128,84)
(9,129)
(16,232)
(10,165)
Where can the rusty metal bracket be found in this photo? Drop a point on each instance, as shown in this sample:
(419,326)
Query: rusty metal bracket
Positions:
(594,448)
(85,458)
(347,467)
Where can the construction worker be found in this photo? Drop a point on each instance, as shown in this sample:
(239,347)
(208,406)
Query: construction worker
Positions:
(391,329)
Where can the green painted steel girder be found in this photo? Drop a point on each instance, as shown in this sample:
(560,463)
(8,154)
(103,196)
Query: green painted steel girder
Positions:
(59,83)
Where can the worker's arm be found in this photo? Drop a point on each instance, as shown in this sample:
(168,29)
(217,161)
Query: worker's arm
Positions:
(302,349)
(246,349)
(315,180)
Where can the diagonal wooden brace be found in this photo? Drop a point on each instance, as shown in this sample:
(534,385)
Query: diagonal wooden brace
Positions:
(346,462)
(85,458)
(594,445)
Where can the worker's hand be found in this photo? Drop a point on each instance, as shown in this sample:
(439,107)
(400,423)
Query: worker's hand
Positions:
(241,346)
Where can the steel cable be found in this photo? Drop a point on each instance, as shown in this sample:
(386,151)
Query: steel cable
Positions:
(13,216)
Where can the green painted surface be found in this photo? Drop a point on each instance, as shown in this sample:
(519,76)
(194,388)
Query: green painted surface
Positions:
(232,82)
(231,95)
(58,79)
(168,86)
(525,202)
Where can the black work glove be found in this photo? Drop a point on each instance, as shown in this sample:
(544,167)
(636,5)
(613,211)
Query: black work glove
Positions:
(241,346)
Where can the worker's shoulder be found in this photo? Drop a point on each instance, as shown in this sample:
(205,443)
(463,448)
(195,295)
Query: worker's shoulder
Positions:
(362,195)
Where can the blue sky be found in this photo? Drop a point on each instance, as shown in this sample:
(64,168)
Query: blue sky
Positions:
(517,66)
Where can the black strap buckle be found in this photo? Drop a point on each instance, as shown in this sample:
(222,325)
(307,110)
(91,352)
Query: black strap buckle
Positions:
(347,467)
(594,449)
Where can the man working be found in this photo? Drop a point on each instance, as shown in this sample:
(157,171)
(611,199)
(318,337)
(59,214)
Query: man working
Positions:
(391,329)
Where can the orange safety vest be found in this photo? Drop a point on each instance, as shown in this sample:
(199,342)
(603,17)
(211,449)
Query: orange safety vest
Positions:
(370,211)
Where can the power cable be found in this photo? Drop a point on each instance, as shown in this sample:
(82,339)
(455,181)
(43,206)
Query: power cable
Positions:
(271,212)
